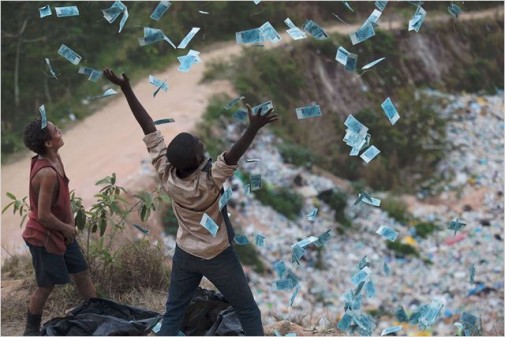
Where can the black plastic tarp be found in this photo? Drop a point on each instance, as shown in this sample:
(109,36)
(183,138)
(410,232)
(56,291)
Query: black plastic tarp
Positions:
(208,314)
(101,317)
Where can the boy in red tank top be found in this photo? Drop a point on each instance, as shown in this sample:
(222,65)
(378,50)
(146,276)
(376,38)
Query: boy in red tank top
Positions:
(50,231)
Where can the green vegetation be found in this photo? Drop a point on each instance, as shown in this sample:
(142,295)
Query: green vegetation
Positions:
(337,200)
(207,129)
(296,155)
(111,263)
(396,208)
(402,249)
(281,199)
(424,229)
(248,255)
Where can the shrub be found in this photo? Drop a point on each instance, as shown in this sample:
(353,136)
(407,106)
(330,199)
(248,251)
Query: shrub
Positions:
(296,155)
(281,199)
(337,200)
(249,256)
(423,229)
(402,249)
(396,209)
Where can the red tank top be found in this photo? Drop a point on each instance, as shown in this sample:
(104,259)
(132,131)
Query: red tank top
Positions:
(37,234)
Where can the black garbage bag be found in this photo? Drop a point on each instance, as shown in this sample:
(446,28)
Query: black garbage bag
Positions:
(227,324)
(209,314)
(101,317)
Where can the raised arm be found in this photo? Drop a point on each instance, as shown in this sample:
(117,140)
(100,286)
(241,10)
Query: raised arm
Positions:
(256,122)
(145,121)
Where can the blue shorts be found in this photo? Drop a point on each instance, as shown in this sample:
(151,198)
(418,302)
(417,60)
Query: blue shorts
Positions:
(51,269)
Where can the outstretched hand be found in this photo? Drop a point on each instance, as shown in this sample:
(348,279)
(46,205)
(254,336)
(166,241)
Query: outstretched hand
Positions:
(121,81)
(257,121)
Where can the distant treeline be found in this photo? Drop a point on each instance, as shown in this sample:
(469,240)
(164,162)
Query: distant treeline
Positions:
(27,40)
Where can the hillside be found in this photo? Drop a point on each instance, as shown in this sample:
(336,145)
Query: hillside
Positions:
(304,165)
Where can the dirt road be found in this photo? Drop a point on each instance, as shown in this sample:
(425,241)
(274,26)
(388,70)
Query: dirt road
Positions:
(111,141)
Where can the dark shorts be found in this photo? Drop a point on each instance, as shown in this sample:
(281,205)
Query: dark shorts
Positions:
(51,269)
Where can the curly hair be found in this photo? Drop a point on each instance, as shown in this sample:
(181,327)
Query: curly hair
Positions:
(34,137)
(181,151)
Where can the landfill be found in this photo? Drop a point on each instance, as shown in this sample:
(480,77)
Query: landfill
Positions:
(473,161)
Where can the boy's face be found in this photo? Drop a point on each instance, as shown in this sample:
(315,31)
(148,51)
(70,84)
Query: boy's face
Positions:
(56,140)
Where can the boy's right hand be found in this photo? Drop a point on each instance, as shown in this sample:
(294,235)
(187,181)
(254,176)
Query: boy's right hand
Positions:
(258,121)
(122,81)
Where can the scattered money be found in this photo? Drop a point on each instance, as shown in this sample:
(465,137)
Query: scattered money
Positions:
(45,11)
(386,269)
(51,71)
(345,322)
(470,325)
(225,197)
(69,55)
(456,225)
(391,329)
(209,224)
(293,296)
(363,262)
(249,36)
(161,9)
(372,19)
(371,64)
(364,33)
(367,199)
(359,288)
(93,74)
(240,115)
(256,182)
(140,228)
(262,108)
(269,33)
(417,20)
(401,314)
(297,253)
(312,214)
(188,60)
(43,116)
(158,83)
(62,12)
(387,233)
(241,240)
(285,284)
(360,276)
(472,273)
(252,160)
(164,121)
(370,154)
(113,12)
(308,111)
(233,102)
(390,111)
(323,238)
(188,37)
(454,10)
(296,33)
(305,242)
(107,93)
(259,240)
(353,124)
(381,5)
(348,6)
(280,268)
(290,275)
(420,310)
(370,289)
(203,12)
(431,314)
(153,35)
(315,30)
